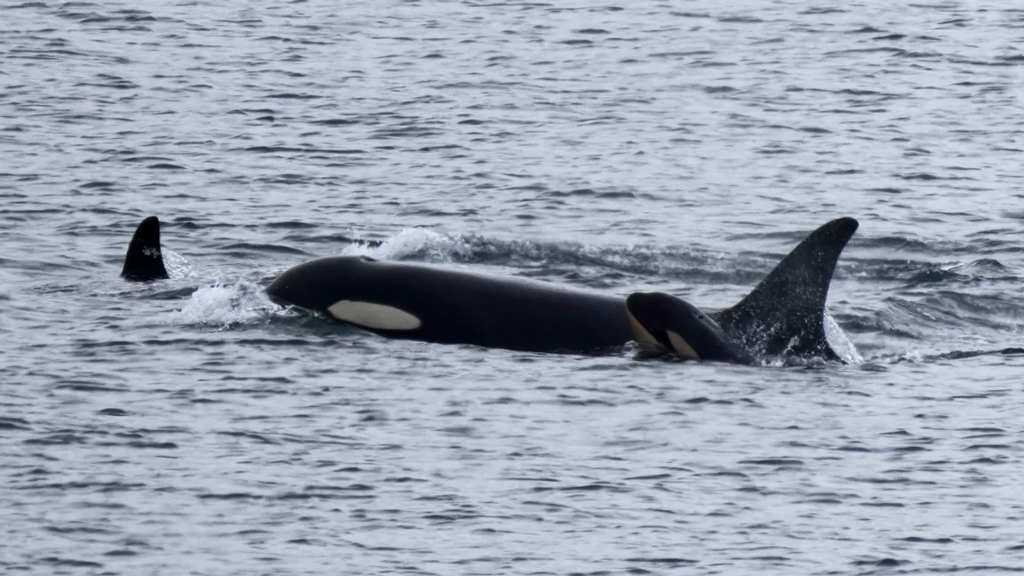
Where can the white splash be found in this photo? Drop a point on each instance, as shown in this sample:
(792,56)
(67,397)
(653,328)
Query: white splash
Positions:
(839,342)
(224,305)
(913,356)
(177,266)
(414,241)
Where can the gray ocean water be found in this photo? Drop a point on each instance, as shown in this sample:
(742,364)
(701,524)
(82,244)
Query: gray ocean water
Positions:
(190,427)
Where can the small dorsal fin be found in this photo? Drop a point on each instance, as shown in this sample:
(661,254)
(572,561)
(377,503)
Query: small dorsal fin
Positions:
(784,314)
(144,261)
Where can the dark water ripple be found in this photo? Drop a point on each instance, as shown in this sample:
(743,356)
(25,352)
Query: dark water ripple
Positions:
(190,426)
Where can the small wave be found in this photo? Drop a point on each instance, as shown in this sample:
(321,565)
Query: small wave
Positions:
(913,273)
(573,261)
(413,243)
(983,266)
(961,354)
(250,247)
(840,342)
(176,265)
(974,272)
(225,305)
(917,357)
(949,308)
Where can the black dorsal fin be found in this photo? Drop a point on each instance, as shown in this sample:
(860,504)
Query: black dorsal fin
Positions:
(784,314)
(144,261)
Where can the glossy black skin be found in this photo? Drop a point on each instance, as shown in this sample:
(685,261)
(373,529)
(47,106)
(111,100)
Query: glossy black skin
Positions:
(660,313)
(143,261)
(457,307)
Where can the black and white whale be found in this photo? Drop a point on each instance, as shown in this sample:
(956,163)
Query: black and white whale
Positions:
(663,323)
(783,315)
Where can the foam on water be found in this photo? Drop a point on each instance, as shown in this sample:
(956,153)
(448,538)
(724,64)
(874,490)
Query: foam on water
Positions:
(176,264)
(225,305)
(840,342)
(414,242)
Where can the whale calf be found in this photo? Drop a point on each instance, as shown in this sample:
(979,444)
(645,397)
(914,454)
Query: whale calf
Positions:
(782,315)
(670,324)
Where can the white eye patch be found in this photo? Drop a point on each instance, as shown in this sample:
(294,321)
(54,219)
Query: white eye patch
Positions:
(373,316)
(640,334)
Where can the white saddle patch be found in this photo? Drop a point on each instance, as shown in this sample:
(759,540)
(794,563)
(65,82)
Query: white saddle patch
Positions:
(373,316)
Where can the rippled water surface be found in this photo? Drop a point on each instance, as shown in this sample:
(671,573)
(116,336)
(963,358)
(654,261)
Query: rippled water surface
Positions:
(190,427)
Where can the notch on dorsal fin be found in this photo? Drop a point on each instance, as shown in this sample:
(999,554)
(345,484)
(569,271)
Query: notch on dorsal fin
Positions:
(144,261)
(784,314)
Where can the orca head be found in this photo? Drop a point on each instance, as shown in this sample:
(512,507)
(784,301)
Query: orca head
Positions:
(336,287)
(665,321)
(317,284)
(144,261)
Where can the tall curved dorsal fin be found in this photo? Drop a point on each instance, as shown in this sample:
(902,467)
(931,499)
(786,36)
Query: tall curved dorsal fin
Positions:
(144,261)
(785,312)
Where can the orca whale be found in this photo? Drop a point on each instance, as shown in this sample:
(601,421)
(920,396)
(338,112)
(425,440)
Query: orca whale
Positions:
(436,304)
(782,315)
(664,323)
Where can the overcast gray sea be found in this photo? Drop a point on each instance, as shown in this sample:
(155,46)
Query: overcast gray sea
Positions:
(190,427)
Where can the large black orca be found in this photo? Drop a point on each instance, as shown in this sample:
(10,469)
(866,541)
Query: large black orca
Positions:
(783,315)
(436,304)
